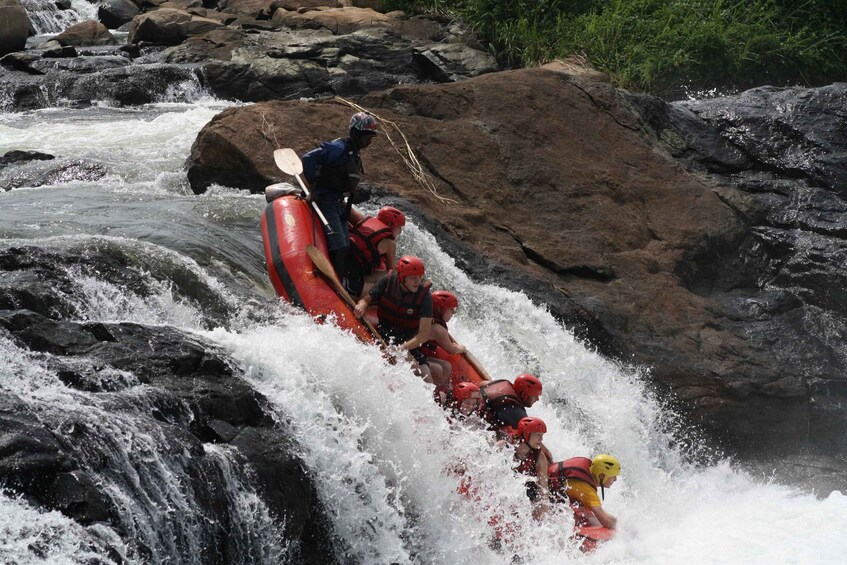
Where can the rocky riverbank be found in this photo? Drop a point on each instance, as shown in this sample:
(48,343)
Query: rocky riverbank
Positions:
(151,51)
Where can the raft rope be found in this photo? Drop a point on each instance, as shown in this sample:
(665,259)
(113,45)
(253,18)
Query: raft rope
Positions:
(420,174)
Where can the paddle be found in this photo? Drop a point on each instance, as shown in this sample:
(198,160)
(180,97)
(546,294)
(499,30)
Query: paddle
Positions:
(325,268)
(288,162)
(476,365)
(474,362)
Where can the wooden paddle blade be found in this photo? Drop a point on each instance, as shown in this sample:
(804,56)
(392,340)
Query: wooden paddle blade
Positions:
(288,161)
(325,267)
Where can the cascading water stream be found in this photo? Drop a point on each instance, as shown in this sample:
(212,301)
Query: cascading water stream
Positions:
(48,17)
(381,451)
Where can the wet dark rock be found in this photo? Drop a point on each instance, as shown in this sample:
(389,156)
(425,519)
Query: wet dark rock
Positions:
(115,13)
(77,494)
(54,49)
(21,156)
(121,85)
(56,171)
(21,62)
(127,381)
(29,453)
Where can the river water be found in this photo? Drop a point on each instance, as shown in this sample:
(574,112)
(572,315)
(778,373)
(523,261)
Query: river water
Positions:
(370,432)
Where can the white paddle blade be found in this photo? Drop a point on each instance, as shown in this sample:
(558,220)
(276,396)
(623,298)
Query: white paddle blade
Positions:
(288,161)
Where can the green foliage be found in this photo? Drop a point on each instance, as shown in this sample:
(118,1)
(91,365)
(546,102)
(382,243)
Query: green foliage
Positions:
(658,45)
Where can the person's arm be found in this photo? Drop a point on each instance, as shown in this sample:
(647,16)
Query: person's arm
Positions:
(541,466)
(547,453)
(362,306)
(388,249)
(542,502)
(424,326)
(605,519)
(373,294)
(356,217)
(443,338)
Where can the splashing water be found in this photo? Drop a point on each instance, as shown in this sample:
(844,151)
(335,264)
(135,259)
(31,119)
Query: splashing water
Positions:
(384,455)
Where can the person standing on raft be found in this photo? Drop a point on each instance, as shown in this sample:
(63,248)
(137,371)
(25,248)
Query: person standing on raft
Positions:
(332,171)
(404,303)
(578,478)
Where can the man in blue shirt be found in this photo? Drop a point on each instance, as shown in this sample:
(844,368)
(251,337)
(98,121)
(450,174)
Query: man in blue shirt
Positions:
(332,172)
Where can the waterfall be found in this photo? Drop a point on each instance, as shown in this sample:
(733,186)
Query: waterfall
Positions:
(382,453)
(48,18)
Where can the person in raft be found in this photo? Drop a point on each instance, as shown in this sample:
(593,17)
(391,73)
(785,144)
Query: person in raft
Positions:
(577,479)
(530,460)
(404,307)
(444,305)
(466,400)
(332,171)
(505,403)
(372,242)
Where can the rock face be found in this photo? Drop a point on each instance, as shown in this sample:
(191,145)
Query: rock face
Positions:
(668,235)
(167,394)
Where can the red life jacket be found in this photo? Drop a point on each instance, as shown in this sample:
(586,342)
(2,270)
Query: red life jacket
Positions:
(495,395)
(398,309)
(527,465)
(364,243)
(574,468)
(429,347)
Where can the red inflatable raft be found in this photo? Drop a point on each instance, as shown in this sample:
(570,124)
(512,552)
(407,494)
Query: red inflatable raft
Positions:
(288,226)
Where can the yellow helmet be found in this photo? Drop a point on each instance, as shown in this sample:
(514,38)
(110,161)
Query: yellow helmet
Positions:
(607,465)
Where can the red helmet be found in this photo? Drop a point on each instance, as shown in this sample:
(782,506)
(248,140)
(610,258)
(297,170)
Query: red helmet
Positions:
(531,425)
(391,217)
(463,391)
(527,385)
(363,123)
(409,266)
(442,300)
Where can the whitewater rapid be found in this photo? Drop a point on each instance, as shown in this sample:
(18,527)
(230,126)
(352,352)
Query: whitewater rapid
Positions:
(369,431)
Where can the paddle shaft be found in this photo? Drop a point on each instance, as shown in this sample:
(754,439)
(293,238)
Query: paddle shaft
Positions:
(325,268)
(476,365)
(288,162)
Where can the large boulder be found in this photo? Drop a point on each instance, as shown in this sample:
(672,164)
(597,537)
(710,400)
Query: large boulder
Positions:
(722,291)
(115,13)
(339,21)
(86,33)
(14,26)
(168,27)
